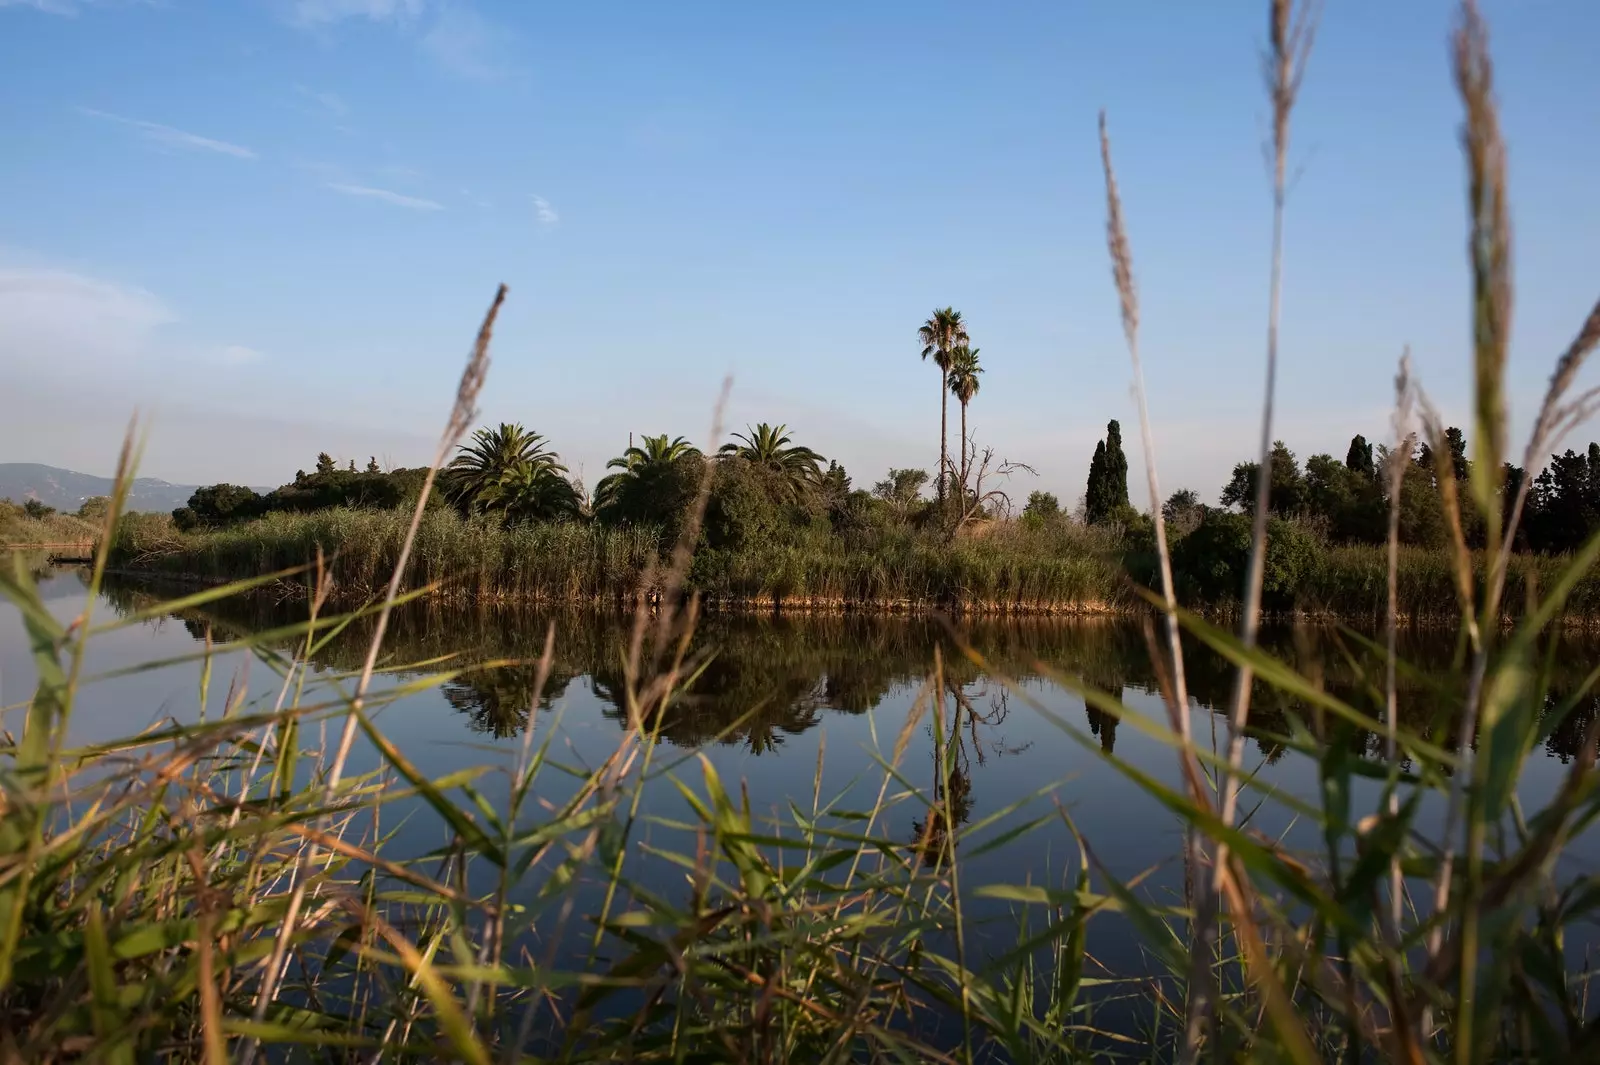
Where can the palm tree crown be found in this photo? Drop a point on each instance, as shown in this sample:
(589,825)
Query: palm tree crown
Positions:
(941,334)
(772,448)
(655,454)
(493,456)
(531,492)
(963,374)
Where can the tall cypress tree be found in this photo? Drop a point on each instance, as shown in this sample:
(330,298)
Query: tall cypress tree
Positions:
(1116,468)
(1359,458)
(1094,493)
(1107,491)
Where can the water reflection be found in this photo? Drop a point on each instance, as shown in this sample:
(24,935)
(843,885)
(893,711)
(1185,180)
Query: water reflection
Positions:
(771,677)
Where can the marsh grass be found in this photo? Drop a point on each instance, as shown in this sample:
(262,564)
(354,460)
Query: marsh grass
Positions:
(1013,568)
(20,531)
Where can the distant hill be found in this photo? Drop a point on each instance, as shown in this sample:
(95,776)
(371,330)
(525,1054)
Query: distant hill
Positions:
(66,489)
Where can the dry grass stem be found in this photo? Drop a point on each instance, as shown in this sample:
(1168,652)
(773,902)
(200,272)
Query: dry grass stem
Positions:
(1198,1005)
(1292,32)
(1394,474)
(462,413)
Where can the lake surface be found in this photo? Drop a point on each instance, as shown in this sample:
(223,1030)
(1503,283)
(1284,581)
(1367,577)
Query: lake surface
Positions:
(782,693)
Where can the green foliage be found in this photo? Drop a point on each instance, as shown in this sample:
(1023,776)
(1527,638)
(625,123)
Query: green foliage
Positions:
(218,505)
(902,490)
(1107,491)
(480,557)
(1286,492)
(21,526)
(963,374)
(509,471)
(1041,507)
(1358,459)
(655,484)
(1182,513)
(1564,503)
(796,470)
(94,509)
(1209,564)
(37,510)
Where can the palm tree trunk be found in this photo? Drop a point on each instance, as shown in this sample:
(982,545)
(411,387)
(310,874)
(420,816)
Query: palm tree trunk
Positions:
(964,470)
(944,435)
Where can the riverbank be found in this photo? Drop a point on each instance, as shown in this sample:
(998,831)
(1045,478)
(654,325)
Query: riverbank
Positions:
(1012,568)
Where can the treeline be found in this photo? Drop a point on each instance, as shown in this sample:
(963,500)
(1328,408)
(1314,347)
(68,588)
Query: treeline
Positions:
(1348,502)
(219,505)
(764,488)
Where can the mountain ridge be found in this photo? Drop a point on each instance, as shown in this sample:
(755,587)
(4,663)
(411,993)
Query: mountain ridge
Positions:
(66,489)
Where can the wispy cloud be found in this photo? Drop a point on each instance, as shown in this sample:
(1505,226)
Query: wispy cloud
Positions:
(325,12)
(464,43)
(69,8)
(49,7)
(238,355)
(451,33)
(329,102)
(416,203)
(401,172)
(60,318)
(172,136)
(547,215)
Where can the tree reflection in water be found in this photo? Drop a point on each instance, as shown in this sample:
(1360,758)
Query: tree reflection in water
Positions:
(770,677)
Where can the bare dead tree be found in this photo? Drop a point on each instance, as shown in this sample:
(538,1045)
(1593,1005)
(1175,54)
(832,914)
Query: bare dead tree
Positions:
(989,478)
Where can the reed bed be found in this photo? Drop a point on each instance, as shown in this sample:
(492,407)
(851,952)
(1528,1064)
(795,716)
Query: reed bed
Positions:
(457,557)
(1014,569)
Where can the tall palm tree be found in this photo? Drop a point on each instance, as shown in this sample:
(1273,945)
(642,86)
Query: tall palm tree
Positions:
(940,335)
(640,461)
(490,457)
(963,378)
(771,447)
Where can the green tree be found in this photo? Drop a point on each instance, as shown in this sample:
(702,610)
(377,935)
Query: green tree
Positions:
(834,484)
(770,448)
(493,456)
(325,463)
(1457,442)
(1107,492)
(1182,512)
(37,510)
(653,482)
(532,492)
(940,335)
(372,465)
(1041,507)
(94,509)
(1359,458)
(902,490)
(1286,491)
(217,505)
(964,384)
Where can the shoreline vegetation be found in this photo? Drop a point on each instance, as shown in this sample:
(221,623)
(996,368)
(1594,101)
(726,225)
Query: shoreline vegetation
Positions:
(778,525)
(1013,567)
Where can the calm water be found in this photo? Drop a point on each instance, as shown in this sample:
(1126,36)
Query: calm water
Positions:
(838,686)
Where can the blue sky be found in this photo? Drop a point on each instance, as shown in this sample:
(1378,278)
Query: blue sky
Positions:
(273,225)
